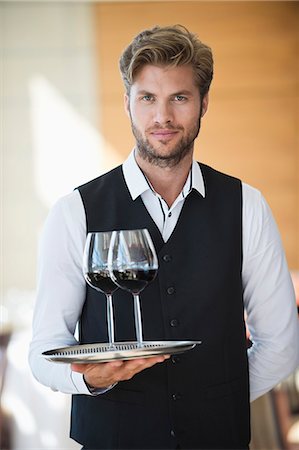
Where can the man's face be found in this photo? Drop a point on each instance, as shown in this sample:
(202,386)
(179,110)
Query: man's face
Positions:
(165,109)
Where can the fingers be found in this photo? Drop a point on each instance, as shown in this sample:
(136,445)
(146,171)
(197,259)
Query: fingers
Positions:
(144,363)
(105,374)
(82,368)
(131,368)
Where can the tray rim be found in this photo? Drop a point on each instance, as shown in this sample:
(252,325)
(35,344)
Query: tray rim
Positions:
(160,348)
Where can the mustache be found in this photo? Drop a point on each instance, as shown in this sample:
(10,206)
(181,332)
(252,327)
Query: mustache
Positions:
(165,128)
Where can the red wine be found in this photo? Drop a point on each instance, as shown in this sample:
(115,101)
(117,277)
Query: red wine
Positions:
(101,280)
(134,280)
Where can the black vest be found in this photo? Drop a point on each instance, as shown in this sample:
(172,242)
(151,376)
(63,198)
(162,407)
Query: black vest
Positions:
(198,399)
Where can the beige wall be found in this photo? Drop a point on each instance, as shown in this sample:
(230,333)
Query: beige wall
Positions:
(47,95)
(251,129)
(48,109)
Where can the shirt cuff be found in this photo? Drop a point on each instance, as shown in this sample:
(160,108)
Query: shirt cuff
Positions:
(82,388)
(98,391)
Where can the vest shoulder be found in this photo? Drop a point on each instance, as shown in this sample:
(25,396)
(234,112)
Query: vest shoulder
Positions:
(211,173)
(101,180)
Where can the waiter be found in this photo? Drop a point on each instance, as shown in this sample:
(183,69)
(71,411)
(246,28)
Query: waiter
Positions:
(219,253)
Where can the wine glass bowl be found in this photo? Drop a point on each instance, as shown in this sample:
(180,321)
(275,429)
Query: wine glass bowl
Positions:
(96,273)
(134,280)
(133,264)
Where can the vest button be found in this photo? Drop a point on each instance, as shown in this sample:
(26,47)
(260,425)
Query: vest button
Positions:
(170,290)
(166,258)
(172,433)
(176,397)
(174,323)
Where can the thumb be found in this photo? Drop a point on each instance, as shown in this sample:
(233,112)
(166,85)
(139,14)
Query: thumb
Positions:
(78,367)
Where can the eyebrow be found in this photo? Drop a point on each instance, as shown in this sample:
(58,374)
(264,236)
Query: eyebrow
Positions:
(182,92)
(144,92)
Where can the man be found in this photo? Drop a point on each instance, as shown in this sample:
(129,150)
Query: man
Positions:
(219,251)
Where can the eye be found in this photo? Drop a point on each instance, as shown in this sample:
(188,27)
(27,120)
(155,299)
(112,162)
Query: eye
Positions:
(147,98)
(180,98)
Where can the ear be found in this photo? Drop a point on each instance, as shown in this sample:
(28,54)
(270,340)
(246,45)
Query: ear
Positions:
(204,105)
(127,104)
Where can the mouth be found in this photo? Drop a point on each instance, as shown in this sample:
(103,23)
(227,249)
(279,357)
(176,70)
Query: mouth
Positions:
(164,134)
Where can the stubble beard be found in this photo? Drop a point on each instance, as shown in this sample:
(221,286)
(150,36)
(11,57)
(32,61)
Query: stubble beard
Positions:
(147,152)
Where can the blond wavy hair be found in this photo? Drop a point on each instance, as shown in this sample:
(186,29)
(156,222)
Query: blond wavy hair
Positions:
(168,46)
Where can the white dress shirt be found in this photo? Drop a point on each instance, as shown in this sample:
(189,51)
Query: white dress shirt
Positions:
(269,298)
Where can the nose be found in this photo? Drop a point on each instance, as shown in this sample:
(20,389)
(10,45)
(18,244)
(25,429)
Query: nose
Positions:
(163,113)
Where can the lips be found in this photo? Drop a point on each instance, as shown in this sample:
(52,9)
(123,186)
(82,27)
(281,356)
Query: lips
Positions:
(163,134)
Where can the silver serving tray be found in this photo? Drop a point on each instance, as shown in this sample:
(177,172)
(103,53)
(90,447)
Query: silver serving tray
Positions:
(97,353)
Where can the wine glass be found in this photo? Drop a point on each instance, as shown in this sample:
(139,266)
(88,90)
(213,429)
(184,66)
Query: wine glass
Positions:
(133,263)
(96,273)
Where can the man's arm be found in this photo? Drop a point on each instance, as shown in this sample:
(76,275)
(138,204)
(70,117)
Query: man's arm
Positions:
(60,298)
(60,293)
(268,297)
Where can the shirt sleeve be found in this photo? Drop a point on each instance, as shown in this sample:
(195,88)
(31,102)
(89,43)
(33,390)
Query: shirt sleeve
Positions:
(269,298)
(60,293)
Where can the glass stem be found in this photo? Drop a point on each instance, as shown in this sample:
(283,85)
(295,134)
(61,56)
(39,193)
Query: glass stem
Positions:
(110,319)
(138,322)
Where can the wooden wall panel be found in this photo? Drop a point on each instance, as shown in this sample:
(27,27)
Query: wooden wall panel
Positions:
(252,126)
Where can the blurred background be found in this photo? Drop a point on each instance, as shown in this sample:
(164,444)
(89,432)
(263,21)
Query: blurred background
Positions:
(63,123)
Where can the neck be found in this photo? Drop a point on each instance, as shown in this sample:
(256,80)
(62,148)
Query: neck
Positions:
(166,181)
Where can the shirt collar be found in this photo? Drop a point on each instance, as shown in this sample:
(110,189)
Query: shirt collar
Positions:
(137,183)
